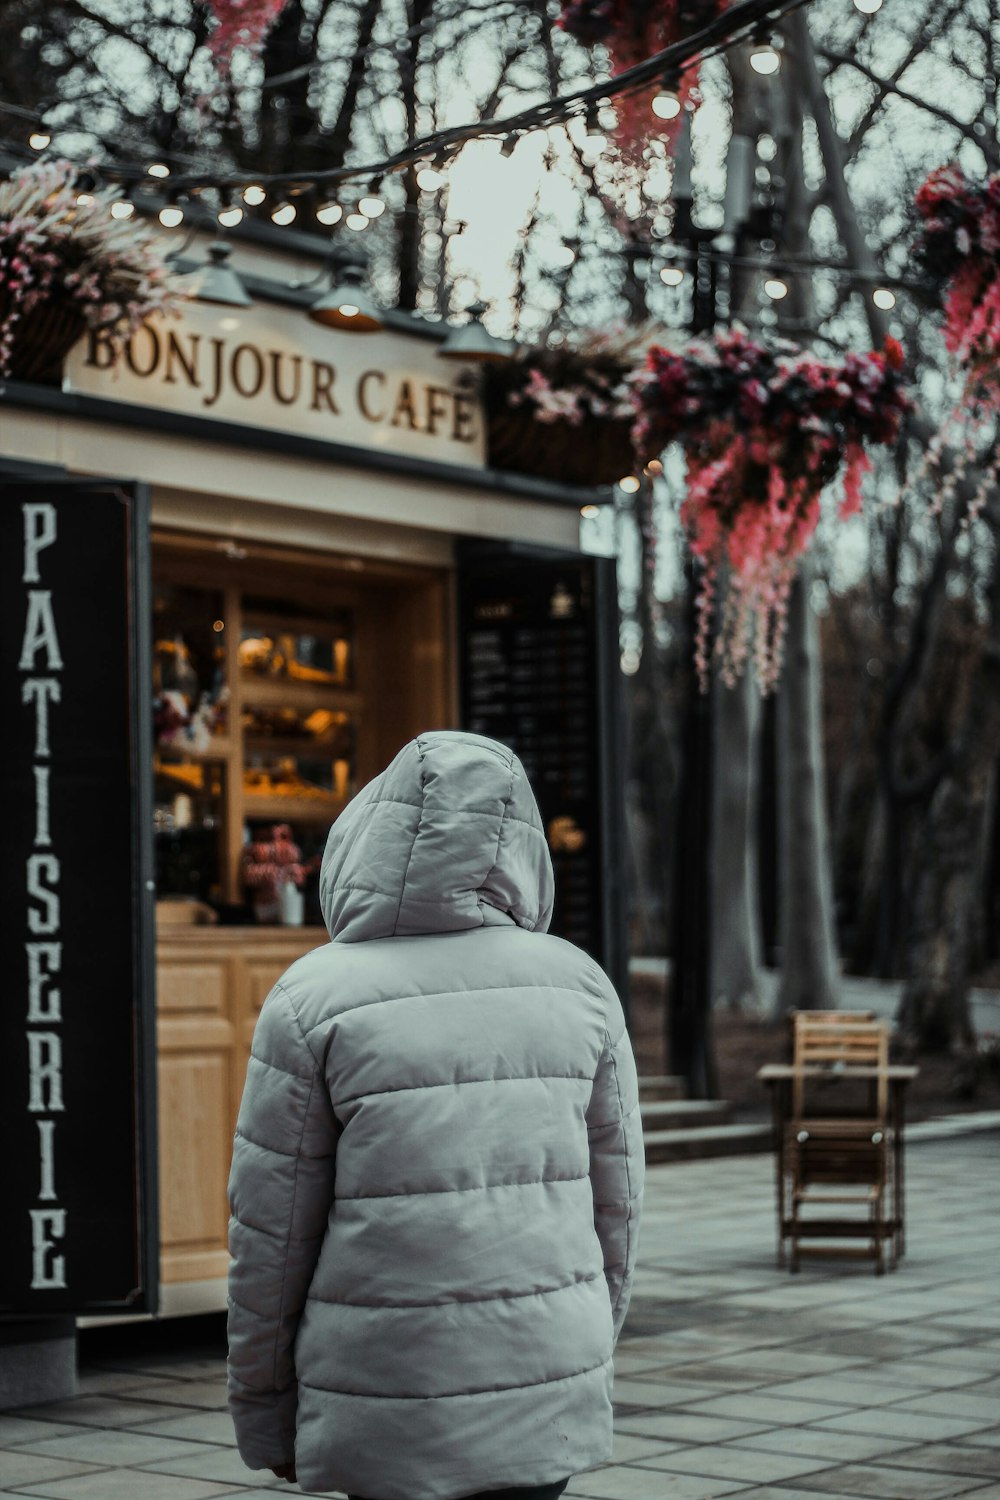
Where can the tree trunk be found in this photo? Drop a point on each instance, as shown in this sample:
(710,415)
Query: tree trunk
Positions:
(809,964)
(934,1011)
(734,906)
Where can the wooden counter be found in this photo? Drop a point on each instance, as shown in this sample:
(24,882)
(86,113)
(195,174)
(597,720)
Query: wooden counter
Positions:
(211,983)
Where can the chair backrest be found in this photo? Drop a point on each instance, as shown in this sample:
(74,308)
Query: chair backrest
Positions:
(832,1040)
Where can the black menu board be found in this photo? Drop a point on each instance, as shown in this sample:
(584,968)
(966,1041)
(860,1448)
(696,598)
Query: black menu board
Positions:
(77,1014)
(538,642)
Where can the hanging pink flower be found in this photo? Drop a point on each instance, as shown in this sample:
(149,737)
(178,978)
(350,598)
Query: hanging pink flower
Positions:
(763,435)
(631,31)
(241,23)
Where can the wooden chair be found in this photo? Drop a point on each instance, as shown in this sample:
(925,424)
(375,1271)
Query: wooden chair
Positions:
(837,1148)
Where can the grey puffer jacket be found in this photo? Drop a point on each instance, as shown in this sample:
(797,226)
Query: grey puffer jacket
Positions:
(438,1167)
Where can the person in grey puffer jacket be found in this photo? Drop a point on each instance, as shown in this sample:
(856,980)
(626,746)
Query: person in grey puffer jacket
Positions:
(437,1173)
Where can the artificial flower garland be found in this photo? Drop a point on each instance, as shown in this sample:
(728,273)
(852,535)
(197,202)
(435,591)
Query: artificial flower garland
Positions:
(631,31)
(763,432)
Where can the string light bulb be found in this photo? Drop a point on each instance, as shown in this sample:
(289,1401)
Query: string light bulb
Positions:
(253,195)
(776,288)
(429,179)
(284,214)
(371,206)
(666,105)
(590,512)
(39,139)
(884,298)
(230,216)
(765,59)
(357,221)
(84,200)
(329,213)
(631,484)
(563,255)
(122,209)
(671,275)
(868,7)
(158,169)
(171,215)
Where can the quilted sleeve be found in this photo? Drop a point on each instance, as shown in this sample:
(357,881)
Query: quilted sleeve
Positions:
(280,1196)
(617,1163)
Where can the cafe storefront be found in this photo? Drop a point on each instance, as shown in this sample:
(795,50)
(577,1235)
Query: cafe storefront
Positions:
(332,568)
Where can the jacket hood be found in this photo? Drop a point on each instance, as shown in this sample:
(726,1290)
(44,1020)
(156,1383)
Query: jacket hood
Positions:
(447,838)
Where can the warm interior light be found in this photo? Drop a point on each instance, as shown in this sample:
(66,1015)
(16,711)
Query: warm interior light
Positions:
(171,215)
(590,512)
(218,625)
(765,60)
(122,209)
(371,207)
(671,275)
(357,221)
(158,169)
(884,298)
(329,213)
(776,288)
(629,484)
(666,105)
(231,216)
(284,214)
(39,139)
(254,195)
(653,467)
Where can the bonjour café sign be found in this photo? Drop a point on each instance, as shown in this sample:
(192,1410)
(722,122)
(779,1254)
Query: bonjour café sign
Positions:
(271,368)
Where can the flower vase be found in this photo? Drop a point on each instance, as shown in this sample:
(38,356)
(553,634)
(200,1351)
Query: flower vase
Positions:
(291,904)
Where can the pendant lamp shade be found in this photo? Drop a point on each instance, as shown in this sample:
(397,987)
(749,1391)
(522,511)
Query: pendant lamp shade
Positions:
(347,305)
(472,344)
(218,282)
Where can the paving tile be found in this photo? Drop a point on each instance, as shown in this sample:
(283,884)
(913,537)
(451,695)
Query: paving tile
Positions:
(988,1437)
(683,1427)
(97,1380)
(16,1429)
(127,1484)
(767,1492)
(950,1458)
(628,1447)
(886,1421)
(961,1403)
(770,1410)
(837,1447)
(198,1426)
(840,1390)
(966,1356)
(655,1393)
(879,1482)
(22,1468)
(209,1395)
(649,1484)
(729,1462)
(95,1411)
(110,1447)
(918,1373)
(223,1464)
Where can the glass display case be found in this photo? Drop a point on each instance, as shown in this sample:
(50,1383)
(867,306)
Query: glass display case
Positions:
(256,727)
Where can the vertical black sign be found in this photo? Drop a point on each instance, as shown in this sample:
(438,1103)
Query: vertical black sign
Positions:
(538,643)
(77,1008)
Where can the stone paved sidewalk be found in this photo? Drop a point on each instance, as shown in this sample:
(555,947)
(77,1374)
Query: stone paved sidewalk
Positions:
(733,1378)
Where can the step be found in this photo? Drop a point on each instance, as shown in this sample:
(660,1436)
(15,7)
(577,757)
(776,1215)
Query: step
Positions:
(673,1114)
(706,1140)
(661,1088)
